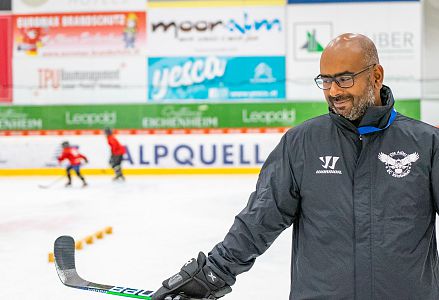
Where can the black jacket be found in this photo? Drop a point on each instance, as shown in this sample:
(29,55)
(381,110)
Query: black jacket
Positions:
(363,209)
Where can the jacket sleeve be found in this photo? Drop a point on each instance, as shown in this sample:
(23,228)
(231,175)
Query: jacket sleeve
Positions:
(434,184)
(271,208)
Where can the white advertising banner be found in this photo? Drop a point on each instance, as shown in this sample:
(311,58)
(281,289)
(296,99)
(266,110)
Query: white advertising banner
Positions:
(46,6)
(79,34)
(228,31)
(397,38)
(79,80)
(144,151)
(429,111)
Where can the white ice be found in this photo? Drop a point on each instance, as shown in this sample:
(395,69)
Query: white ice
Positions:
(159,222)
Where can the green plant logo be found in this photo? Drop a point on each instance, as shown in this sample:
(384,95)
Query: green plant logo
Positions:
(312,45)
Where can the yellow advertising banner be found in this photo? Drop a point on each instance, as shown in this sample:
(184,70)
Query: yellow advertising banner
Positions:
(213,3)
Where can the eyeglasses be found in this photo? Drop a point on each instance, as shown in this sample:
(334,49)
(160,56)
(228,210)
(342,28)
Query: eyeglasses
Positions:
(343,80)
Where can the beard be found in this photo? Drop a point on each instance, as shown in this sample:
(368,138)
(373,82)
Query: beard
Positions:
(366,100)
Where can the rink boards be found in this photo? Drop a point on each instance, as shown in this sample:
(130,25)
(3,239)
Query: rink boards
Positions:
(146,153)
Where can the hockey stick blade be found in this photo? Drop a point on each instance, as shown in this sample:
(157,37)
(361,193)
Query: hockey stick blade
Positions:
(64,251)
(65,267)
(49,185)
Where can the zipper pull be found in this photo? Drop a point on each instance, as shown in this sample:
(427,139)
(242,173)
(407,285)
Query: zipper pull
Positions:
(360,137)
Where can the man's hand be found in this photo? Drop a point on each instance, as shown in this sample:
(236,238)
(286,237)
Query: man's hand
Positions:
(194,281)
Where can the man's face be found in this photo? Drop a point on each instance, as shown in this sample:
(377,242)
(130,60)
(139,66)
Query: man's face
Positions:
(351,102)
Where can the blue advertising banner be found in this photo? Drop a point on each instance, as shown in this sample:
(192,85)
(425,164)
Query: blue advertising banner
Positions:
(345,1)
(216,78)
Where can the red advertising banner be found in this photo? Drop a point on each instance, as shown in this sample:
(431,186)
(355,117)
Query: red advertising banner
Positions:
(6,58)
(79,34)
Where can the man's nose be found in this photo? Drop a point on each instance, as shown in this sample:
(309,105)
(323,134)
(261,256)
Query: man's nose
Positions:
(334,90)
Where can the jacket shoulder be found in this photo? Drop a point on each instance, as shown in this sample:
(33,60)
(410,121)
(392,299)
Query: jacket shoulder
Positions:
(316,123)
(414,125)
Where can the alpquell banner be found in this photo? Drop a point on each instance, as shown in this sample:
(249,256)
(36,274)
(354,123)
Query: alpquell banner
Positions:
(175,116)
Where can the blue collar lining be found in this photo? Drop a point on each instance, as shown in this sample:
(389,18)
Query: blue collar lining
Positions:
(369,129)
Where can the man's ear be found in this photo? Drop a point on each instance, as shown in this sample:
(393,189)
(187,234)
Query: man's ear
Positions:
(378,76)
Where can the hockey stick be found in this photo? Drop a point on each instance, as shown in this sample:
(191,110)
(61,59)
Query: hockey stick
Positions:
(65,267)
(46,186)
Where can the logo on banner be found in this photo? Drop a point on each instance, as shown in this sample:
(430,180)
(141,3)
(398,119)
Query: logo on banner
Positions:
(310,39)
(263,74)
(130,31)
(284,116)
(83,79)
(15,120)
(31,39)
(394,42)
(192,72)
(107,118)
(312,45)
(241,26)
(182,117)
(398,164)
(329,163)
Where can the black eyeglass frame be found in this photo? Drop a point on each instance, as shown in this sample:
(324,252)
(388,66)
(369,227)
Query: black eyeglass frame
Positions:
(334,78)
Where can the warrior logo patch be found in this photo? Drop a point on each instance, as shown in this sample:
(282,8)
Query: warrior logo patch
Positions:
(398,164)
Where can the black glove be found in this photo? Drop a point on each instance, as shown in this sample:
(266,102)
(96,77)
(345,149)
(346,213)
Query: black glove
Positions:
(195,280)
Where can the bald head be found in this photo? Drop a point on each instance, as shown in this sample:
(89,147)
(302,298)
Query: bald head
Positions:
(357,45)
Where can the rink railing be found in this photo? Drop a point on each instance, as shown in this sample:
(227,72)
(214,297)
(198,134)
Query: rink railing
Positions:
(132,171)
(145,131)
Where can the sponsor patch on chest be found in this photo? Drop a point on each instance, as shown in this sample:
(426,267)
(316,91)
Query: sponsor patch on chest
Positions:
(398,163)
(329,165)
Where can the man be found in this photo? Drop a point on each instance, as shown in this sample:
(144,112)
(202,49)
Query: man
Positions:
(117,152)
(75,159)
(361,187)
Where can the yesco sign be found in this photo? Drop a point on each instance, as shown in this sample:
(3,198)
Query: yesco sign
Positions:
(216,78)
(189,73)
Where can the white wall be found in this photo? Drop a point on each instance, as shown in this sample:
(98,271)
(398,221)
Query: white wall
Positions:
(145,151)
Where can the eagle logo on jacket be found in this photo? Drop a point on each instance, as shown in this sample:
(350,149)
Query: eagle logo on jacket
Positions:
(398,164)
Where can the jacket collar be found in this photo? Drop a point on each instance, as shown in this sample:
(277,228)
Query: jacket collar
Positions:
(376,116)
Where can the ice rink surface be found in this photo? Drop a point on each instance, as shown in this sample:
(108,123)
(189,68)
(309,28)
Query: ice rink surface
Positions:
(159,222)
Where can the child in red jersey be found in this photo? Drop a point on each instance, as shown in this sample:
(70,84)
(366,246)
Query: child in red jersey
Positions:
(117,152)
(75,158)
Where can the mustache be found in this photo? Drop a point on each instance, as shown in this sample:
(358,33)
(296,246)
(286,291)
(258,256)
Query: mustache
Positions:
(339,98)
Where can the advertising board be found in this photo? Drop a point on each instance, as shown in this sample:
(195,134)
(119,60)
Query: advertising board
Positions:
(48,6)
(6,58)
(234,31)
(79,80)
(79,34)
(216,78)
(398,42)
